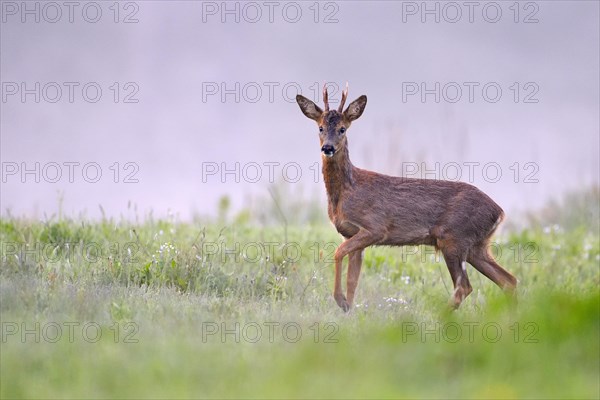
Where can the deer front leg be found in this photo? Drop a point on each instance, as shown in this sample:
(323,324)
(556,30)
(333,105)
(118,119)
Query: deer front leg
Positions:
(363,238)
(338,295)
(354,266)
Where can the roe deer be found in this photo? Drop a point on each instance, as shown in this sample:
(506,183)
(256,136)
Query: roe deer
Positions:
(368,208)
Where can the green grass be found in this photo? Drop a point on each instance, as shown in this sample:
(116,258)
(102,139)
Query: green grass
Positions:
(158,291)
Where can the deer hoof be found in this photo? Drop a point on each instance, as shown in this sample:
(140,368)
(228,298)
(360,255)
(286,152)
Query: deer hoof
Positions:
(453,303)
(342,302)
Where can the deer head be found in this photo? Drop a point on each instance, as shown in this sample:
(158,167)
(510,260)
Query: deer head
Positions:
(333,124)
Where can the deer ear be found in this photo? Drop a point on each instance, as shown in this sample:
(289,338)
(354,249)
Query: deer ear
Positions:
(356,108)
(310,109)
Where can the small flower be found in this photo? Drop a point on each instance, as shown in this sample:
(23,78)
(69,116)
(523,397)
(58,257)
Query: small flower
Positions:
(393,300)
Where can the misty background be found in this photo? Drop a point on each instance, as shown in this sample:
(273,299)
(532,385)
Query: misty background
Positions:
(162,130)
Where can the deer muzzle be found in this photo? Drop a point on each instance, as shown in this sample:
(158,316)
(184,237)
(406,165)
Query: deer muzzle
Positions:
(328,150)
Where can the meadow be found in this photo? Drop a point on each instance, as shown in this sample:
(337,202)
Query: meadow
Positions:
(241,307)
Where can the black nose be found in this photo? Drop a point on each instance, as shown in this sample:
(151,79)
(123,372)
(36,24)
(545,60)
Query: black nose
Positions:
(328,150)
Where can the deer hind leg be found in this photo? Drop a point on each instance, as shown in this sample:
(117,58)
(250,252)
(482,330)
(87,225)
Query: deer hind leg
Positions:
(456,262)
(482,260)
(354,266)
(358,242)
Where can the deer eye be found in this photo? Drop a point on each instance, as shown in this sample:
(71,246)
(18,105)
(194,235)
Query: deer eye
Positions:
(343,130)
(320,129)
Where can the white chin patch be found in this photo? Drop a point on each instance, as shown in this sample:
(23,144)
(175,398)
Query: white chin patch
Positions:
(328,155)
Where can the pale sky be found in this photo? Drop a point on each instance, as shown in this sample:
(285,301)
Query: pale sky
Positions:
(472,96)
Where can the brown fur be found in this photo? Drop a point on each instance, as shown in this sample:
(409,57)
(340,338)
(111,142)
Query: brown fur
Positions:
(369,208)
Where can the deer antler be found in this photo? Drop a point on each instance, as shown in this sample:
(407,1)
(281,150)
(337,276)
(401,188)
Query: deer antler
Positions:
(325,96)
(344,95)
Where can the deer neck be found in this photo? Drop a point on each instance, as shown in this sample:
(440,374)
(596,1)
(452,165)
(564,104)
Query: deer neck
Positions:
(338,175)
